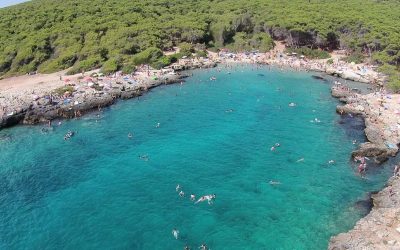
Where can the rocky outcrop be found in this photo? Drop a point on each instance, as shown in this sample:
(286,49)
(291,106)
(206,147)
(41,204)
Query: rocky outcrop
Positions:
(348,75)
(43,110)
(380,229)
(379,152)
(347,109)
(375,147)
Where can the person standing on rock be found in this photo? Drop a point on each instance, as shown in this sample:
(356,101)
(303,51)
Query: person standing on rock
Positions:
(396,170)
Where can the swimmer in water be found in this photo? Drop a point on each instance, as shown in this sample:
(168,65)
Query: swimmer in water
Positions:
(175,233)
(203,247)
(186,248)
(277,145)
(69,135)
(130,135)
(177,188)
(209,198)
(331,162)
(144,157)
(181,194)
(274,182)
(192,197)
(272,148)
(158,125)
(354,142)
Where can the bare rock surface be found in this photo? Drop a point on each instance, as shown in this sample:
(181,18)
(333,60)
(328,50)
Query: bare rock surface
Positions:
(380,229)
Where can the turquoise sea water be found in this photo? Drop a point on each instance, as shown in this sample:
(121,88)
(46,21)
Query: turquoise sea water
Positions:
(95,192)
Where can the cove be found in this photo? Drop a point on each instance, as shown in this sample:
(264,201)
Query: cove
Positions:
(98,191)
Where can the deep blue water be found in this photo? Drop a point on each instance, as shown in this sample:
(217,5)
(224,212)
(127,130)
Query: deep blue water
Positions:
(95,192)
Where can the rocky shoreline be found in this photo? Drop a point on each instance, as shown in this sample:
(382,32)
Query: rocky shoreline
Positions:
(44,109)
(381,144)
(380,229)
(86,96)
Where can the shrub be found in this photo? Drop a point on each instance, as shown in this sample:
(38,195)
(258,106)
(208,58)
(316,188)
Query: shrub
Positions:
(356,57)
(161,62)
(128,68)
(110,66)
(85,65)
(61,90)
(147,56)
(186,49)
(201,53)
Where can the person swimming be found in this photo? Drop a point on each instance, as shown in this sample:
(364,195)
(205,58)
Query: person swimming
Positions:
(181,194)
(192,197)
(177,187)
(271,182)
(130,135)
(69,135)
(203,247)
(331,162)
(144,157)
(209,198)
(175,233)
(158,125)
(277,145)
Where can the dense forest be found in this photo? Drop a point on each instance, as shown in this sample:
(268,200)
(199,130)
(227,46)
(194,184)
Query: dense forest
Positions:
(50,35)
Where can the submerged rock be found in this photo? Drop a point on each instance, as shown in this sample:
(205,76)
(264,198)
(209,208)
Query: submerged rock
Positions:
(319,78)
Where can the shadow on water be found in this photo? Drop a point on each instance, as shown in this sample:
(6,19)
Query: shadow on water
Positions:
(364,206)
(353,126)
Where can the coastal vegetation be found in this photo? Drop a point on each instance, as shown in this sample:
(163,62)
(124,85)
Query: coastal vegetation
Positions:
(48,35)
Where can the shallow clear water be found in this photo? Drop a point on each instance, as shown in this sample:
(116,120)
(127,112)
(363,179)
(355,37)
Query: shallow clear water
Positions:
(94,192)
